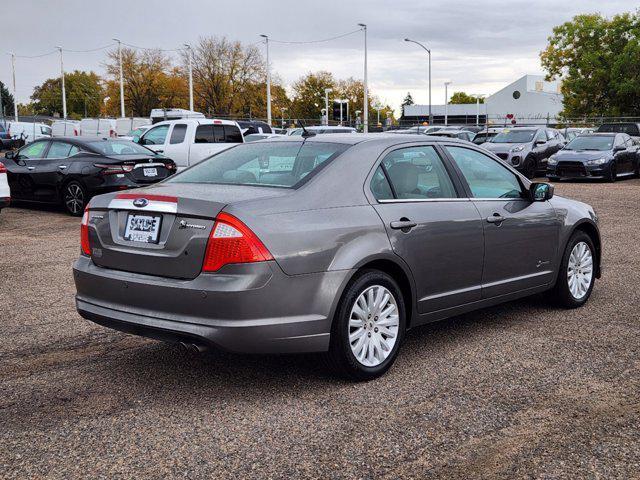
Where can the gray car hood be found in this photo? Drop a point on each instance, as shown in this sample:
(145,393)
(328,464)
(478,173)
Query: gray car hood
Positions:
(580,156)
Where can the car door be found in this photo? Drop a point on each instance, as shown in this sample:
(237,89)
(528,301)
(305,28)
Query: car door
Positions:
(155,138)
(520,236)
(20,172)
(51,170)
(176,147)
(435,231)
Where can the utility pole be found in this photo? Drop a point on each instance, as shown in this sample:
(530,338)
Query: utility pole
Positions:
(190,53)
(15,97)
(446,103)
(266,42)
(366,87)
(64,92)
(429,52)
(121,78)
(326,104)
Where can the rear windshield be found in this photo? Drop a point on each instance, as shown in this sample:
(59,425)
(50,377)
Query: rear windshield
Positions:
(514,136)
(598,143)
(628,128)
(276,164)
(119,147)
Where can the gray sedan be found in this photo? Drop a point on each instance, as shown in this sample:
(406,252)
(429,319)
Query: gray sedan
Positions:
(331,243)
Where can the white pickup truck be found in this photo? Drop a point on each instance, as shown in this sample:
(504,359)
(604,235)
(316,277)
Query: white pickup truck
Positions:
(188,141)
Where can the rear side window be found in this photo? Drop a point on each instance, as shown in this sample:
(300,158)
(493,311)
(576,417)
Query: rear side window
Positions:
(204,134)
(232,134)
(277,164)
(628,128)
(59,150)
(486,177)
(380,186)
(417,173)
(178,133)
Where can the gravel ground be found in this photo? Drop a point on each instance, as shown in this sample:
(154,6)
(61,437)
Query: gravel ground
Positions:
(520,390)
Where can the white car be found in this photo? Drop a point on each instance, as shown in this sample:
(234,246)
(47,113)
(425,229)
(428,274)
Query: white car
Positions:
(127,124)
(164,114)
(188,141)
(98,127)
(65,128)
(5,193)
(28,131)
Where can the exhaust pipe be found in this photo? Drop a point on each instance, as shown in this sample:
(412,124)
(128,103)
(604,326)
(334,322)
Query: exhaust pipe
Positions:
(193,347)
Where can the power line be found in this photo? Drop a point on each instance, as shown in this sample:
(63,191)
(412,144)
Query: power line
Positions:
(315,41)
(90,50)
(36,56)
(147,48)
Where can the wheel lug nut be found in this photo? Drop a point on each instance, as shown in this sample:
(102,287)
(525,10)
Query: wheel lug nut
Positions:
(369,334)
(375,329)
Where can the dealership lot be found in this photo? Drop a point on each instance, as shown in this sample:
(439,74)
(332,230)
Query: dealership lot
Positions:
(519,389)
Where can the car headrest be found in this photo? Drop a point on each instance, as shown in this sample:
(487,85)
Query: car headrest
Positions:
(404,177)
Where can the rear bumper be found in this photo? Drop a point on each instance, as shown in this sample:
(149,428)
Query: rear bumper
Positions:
(4,202)
(251,308)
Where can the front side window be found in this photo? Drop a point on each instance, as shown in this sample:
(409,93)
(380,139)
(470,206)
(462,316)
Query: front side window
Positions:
(417,173)
(277,164)
(35,150)
(486,177)
(178,133)
(156,136)
(59,150)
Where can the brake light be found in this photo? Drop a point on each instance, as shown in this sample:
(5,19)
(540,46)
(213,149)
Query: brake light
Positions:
(84,234)
(3,169)
(113,134)
(231,241)
(113,169)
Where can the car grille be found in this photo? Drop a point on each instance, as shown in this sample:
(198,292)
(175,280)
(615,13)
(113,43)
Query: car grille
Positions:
(503,156)
(571,169)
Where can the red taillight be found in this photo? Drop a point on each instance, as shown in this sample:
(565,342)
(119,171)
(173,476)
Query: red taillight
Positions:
(113,134)
(3,169)
(231,241)
(108,169)
(84,234)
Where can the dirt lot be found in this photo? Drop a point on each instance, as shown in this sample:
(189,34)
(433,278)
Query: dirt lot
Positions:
(520,390)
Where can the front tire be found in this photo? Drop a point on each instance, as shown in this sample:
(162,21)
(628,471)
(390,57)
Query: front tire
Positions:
(613,173)
(368,327)
(577,272)
(74,198)
(529,167)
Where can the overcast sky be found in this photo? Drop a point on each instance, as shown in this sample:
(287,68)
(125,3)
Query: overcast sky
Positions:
(480,46)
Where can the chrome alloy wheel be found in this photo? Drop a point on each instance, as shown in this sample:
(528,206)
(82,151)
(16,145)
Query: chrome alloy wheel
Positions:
(74,198)
(373,325)
(580,270)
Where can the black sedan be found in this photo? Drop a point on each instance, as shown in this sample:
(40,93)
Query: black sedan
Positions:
(71,170)
(596,155)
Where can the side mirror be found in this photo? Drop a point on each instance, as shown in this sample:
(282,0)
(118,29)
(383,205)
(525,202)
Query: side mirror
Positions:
(10,154)
(540,142)
(539,192)
(618,148)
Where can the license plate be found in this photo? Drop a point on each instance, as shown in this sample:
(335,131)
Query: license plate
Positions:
(150,172)
(142,228)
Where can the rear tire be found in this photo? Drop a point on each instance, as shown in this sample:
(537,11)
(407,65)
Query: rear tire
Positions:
(366,335)
(74,198)
(576,276)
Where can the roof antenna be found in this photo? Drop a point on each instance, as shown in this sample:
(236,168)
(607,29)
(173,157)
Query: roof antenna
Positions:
(306,133)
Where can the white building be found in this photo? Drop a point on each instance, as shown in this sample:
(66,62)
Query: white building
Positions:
(530,99)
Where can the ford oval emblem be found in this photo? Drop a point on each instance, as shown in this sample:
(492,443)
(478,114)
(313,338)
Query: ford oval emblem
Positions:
(140,202)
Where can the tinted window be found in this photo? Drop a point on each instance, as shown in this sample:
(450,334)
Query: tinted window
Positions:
(35,150)
(204,134)
(487,178)
(380,186)
(418,173)
(232,134)
(156,136)
(59,150)
(218,133)
(629,128)
(282,164)
(178,133)
(119,147)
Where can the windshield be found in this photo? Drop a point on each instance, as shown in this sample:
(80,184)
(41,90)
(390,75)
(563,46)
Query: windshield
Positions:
(514,136)
(591,143)
(276,164)
(119,147)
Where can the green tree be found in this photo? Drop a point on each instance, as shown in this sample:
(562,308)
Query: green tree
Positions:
(6,107)
(308,94)
(83,91)
(408,100)
(625,79)
(591,57)
(462,97)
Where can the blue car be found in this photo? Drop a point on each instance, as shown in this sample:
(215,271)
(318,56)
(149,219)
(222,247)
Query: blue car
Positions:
(604,156)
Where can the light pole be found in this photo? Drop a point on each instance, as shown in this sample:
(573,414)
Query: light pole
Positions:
(429,52)
(446,103)
(64,92)
(326,103)
(478,97)
(282,110)
(121,77)
(366,85)
(348,120)
(190,53)
(266,42)
(15,98)
(340,101)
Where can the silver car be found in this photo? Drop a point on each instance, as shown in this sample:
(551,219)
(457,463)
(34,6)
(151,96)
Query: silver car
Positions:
(329,243)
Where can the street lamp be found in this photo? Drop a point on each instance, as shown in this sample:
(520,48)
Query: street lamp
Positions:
(282,110)
(446,103)
(64,92)
(429,52)
(266,42)
(190,53)
(326,104)
(366,85)
(478,96)
(121,77)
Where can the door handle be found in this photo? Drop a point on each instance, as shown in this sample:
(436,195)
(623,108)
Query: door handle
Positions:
(31,168)
(495,218)
(403,224)
(62,167)
(159,151)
